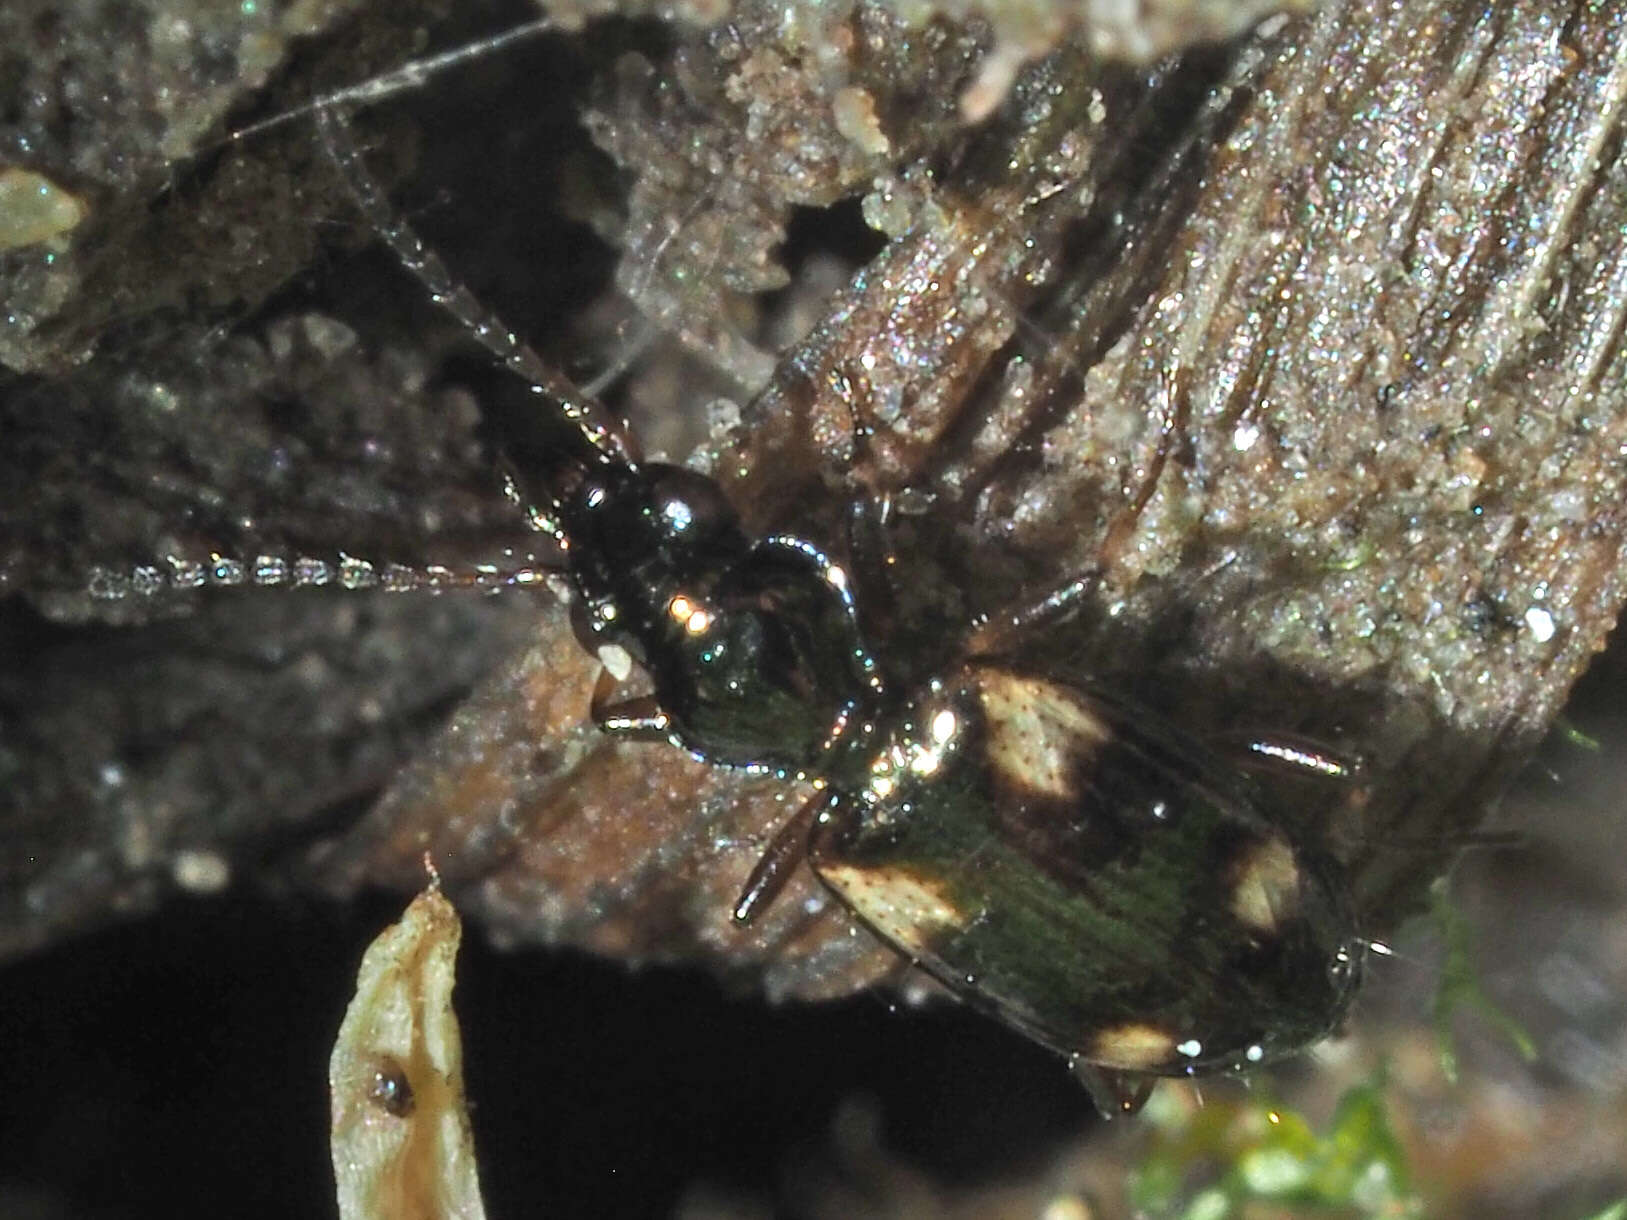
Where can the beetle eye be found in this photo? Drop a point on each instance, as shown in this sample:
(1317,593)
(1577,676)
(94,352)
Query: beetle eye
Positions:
(688,503)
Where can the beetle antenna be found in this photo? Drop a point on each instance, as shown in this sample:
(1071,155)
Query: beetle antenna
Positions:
(1458,840)
(179,575)
(605,434)
(411,75)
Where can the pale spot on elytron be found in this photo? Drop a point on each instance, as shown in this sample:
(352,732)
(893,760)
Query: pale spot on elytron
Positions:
(1266,889)
(1134,1046)
(903,906)
(1039,733)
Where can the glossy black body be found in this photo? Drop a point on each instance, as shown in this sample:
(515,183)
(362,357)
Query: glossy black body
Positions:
(753,644)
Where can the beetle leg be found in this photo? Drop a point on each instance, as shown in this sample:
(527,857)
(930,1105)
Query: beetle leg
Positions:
(1065,599)
(1000,634)
(872,559)
(528,435)
(787,849)
(1298,757)
(1292,754)
(639,719)
(1116,1094)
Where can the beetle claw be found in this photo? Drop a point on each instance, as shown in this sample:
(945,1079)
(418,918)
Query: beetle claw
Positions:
(1116,1094)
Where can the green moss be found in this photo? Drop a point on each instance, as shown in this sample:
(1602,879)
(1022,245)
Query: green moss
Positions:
(1208,1162)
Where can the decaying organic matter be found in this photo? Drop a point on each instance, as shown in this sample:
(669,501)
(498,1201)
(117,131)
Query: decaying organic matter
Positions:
(401,1142)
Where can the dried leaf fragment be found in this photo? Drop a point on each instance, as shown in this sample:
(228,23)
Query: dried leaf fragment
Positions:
(401,1141)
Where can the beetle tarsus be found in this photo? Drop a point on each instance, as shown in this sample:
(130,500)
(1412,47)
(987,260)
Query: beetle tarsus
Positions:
(1116,1094)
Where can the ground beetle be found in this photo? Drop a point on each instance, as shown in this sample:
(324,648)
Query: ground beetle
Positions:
(1055,855)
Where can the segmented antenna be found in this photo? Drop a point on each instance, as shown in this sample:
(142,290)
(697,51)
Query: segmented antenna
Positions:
(413,74)
(275,571)
(598,426)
